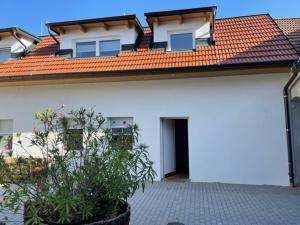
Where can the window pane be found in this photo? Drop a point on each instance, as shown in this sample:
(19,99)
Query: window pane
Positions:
(86,49)
(109,48)
(4,54)
(181,41)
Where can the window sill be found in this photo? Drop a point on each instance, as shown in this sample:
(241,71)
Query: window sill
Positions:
(177,51)
(93,57)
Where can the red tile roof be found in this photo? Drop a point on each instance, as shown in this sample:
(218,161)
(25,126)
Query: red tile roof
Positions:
(291,28)
(249,40)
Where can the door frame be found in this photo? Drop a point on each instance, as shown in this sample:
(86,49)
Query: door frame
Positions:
(162,175)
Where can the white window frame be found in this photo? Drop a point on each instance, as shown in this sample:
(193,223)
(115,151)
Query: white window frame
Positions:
(181,32)
(97,40)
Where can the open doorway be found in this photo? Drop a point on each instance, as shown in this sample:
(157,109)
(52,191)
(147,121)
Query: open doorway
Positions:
(175,149)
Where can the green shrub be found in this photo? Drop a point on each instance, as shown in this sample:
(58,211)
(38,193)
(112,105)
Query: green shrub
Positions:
(85,172)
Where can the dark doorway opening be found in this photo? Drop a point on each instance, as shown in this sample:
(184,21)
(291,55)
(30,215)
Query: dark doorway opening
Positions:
(180,149)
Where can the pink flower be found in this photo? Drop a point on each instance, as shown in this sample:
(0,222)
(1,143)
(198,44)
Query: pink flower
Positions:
(34,130)
(61,115)
(5,148)
(40,186)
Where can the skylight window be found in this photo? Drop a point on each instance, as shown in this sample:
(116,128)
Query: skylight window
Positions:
(4,54)
(86,49)
(181,42)
(109,48)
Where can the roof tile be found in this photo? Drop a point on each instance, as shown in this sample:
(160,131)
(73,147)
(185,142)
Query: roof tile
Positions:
(239,40)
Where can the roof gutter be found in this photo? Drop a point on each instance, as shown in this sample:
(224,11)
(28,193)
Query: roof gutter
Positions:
(171,70)
(52,35)
(287,104)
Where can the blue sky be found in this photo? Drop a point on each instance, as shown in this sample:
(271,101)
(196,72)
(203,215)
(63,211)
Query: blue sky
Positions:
(30,14)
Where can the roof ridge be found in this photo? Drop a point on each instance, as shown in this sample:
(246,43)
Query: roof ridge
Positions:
(287,18)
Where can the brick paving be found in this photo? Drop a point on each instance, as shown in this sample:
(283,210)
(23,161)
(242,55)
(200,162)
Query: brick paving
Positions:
(211,204)
(215,204)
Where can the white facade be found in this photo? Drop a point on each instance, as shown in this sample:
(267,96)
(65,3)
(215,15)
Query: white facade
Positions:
(236,124)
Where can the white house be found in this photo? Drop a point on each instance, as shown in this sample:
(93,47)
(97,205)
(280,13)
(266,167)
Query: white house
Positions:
(206,92)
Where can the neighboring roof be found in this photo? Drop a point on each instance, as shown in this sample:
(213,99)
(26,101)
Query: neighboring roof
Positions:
(19,31)
(107,20)
(240,42)
(291,28)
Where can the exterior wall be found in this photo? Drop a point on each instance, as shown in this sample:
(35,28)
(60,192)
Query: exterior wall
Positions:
(199,27)
(11,42)
(126,36)
(236,124)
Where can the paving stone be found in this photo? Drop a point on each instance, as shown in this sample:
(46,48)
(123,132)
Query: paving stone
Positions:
(215,204)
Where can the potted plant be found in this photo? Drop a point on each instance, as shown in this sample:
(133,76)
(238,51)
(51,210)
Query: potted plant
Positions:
(85,172)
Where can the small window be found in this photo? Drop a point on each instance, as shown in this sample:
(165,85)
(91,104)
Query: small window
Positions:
(74,139)
(86,49)
(120,128)
(6,134)
(4,54)
(109,48)
(180,42)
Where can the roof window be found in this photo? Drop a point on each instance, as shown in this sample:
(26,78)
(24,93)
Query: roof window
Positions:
(86,49)
(181,42)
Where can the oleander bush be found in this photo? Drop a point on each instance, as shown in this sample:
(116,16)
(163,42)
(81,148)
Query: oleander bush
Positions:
(85,173)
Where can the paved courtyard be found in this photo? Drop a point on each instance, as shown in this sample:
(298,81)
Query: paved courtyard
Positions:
(215,204)
(211,204)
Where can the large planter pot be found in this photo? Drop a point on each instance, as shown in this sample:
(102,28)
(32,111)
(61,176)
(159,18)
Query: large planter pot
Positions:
(122,219)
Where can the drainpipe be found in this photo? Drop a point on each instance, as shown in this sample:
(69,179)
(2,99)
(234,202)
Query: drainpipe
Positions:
(212,26)
(15,35)
(287,104)
(52,35)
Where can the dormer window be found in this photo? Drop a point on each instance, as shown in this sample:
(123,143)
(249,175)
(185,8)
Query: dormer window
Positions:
(98,37)
(15,42)
(86,49)
(181,42)
(182,30)
(97,48)
(109,48)
(5,53)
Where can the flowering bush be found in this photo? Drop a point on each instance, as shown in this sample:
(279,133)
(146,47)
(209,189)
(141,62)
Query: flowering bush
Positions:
(84,172)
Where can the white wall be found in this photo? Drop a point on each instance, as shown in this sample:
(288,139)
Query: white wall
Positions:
(236,124)
(126,36)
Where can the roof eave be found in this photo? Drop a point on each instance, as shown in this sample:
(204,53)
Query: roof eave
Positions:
(96,20)
(20,31)
(254,65)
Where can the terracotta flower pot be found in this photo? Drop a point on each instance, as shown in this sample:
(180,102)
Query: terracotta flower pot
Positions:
(121,219)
